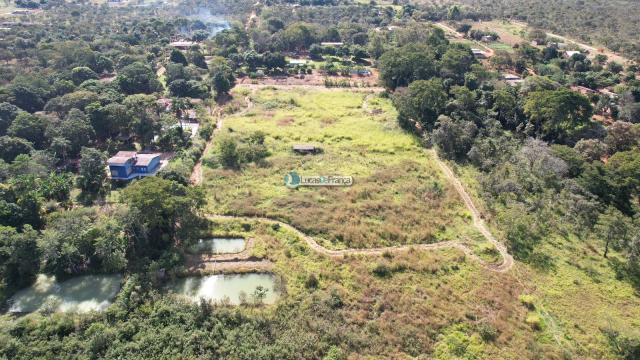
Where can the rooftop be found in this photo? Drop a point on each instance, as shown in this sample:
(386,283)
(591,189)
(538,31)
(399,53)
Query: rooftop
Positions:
(144,159)
(303,147)
(121,158)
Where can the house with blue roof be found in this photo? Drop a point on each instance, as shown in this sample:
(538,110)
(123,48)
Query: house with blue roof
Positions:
(126,165)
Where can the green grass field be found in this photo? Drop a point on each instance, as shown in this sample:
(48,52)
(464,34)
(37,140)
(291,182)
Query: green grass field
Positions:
(400,195)
(501,46)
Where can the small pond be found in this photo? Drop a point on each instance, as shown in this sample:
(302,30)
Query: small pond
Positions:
(217,246)
(216,287)
(82,294)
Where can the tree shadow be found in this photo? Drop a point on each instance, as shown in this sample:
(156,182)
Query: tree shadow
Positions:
(624,273)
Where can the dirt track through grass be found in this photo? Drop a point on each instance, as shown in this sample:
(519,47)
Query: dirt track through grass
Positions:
(506,265)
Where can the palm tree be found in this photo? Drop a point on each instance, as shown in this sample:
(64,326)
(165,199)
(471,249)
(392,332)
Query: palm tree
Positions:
(60,144)
(178,104)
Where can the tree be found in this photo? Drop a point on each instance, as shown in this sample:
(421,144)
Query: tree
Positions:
(60,146)
(630,113)
(26,97)
(77,130)
(197,59)
(423,102)
(402,66)
(259,295)
(82,74)
(622,136)
(463,28)
(615,67)
(315,50)
(178,106)
(10,148)
(30,127)
(454,13)
(614,228)
(625,166)
(537,35)
(110,245)
(554,114)
(376,46)
(454,138)
(92,169)
(252,58)
(506,105)
(167,209)
(274,60)
(8,113)
(178,57)
(228,152)
(19,256)
(138,78)
(221,84)
(591,149)
(456,62)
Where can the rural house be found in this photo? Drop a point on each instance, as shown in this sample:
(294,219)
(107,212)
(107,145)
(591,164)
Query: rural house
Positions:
(126,165)
(304,149)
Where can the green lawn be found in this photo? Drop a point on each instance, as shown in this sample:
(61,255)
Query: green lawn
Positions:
(501,46)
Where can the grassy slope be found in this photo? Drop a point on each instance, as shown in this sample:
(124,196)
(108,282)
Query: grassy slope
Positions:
(393,200)
(434,303)
(581,291)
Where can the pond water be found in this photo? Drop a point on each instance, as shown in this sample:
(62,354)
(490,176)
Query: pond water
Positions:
(82,293)
(216,287)
(217,246)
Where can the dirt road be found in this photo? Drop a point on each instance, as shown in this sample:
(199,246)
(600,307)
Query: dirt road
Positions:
(196,174)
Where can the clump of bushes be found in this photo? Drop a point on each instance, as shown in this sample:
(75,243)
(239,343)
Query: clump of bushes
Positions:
(527,300)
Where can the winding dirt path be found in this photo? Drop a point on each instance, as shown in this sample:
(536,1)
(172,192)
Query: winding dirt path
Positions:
(506,265)
(196,174)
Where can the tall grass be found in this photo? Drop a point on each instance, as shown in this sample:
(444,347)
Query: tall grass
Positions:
(400,195)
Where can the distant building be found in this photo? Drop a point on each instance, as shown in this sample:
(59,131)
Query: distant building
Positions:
(334,44)
(126,165)
(488,38)
(184,45)
(479,54)
(608,93)
(585,90)
(569,54)
(304,149)
(293,63)
(512,80)
(393,27)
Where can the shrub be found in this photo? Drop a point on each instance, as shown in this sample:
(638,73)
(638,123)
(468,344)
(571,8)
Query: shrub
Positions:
(312,282)
(381,269)
(487,332)
(534,321)
(527,300)
(211,161)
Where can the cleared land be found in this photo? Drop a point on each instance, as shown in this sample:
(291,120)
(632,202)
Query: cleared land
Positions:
(400,195)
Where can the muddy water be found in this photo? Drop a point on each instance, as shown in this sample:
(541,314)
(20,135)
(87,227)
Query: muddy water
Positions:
(217,246)
(81,294)
(217,287)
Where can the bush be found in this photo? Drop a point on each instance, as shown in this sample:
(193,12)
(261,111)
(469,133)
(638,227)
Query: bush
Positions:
(527,300)
(178,173)
(312,282)
(534,321)
(212,161)
(381,269)
(487,332)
